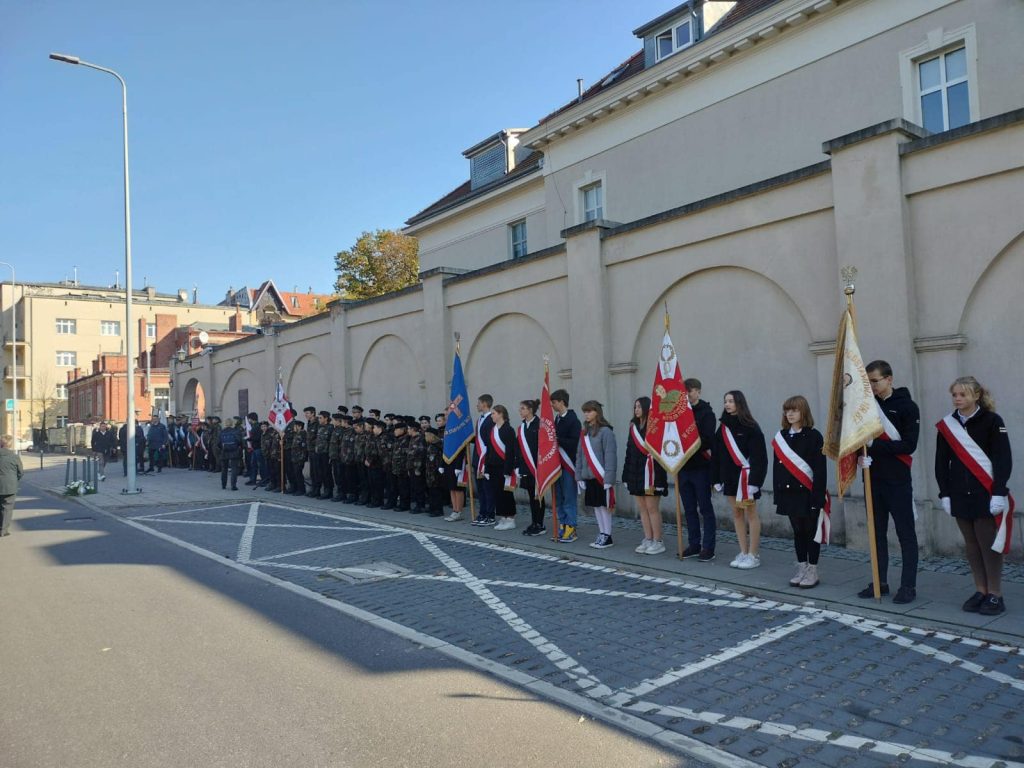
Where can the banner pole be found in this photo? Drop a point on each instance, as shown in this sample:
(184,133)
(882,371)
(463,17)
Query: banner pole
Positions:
(554,512)
(679,517)
(470,481)
(281,462)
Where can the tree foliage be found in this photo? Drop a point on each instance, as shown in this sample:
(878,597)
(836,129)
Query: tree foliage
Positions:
(380,262)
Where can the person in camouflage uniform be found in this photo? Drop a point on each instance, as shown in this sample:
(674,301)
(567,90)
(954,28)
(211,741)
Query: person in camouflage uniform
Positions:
(375,465)
(416,451)
(298,458)
(270,444)
(436,489)
(213,441)
(363,435)
(334,456)
(387,439)
(323,485)
(399,469)
(348,460)
(312,425)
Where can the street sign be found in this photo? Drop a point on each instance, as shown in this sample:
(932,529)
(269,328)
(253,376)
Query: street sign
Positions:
(10,405)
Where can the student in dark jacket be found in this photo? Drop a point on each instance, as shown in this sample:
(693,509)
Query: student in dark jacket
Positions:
(526,464)
(740,464)
(892,493)
(695,481)
(103,444)
(157,440)
(798,460)
(140,447)
(500,465)
(645,479)
(978,500)
(231,443)
(567,432)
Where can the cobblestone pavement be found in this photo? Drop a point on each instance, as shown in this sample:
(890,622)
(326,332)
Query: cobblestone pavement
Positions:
(748,681)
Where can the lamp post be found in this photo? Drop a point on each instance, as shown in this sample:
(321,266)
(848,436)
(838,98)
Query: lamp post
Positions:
(130,363)
(14,356)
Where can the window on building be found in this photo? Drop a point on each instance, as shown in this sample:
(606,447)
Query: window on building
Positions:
(110,327)
(62,422)
(66,326)
(673,40)
(593,202)
(62,391)
(67,358)
(517,238)
(295,302)
(162,398)
(150,330)
(944,91)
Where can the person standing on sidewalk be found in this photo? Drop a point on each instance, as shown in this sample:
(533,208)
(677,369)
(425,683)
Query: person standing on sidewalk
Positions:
(500,468)
(695,481)
(567,432)
(10,475)
(798,477)
(645,479)
(231,441)
(484,425)
(596,465)
(102,444)
(739,468)
(157,440)
(892,492)
(526,464)
(972,467)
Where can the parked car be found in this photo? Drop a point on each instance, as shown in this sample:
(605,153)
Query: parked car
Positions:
(23,445)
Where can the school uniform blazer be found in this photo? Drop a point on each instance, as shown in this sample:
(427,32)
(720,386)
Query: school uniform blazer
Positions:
(605,452)
(567,430)
(791,496)
(492,462)
(750,441)
(988,430)
(532,436)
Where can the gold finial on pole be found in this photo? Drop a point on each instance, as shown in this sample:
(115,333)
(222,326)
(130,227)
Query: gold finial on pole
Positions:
(458,342)
(849,277)
(666,317)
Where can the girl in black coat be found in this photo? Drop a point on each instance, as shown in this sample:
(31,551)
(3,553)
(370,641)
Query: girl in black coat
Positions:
(728,477)
(645,479)
(530,429)
(497,466)
(792,497)
(975,507)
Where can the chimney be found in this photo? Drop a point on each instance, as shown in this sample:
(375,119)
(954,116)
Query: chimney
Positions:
(195,294)
(182,295)
(150,293)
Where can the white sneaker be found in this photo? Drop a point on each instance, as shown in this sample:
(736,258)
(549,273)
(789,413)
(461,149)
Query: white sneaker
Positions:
(655,548)
(642,549)
(740,558)
(752,561)
(500,525)
(453,517)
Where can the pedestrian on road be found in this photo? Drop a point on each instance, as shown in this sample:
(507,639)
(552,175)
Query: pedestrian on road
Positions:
(972,468)
(10,475)
(645,479)
(231,441)
(103,444)
(738,470)
(596,465)
(798,478)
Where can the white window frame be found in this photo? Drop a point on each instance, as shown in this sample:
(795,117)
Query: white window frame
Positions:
(937,42)
(148,327)
(62,422)
(589,179)
(62,391)
(63,355)
(672,33)
(598,209)
(513,242)
(67,326)
(106,325)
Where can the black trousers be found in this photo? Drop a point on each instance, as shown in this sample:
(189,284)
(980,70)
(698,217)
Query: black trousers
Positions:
(417,490)
(6,513)
(324,484)
(895,500)
(229,467)
(338,476)
(375,482)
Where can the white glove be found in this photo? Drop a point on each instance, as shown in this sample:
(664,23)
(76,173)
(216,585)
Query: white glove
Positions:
(487,476)
(440,470)
(946,507)
(753,489)
(718,487)
(582,484)
(607,486)
(871,442)
(998,504)
(864,462)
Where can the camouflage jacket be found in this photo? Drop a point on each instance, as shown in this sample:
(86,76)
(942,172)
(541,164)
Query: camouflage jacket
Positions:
(374,451)
(323,438)
(348,446)
(399,461)
(299,447)
(334,446)
(416,452)
(435,462)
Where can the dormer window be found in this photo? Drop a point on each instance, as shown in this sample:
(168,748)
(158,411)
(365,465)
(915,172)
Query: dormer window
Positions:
(674,39)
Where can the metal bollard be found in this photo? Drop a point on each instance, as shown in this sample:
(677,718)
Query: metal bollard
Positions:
(67,472)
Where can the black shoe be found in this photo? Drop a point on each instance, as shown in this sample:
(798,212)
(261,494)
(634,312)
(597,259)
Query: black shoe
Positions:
(905,595)
(431,513)
(234,487)
(250,482)
(224,487)
(529,530)
(691,552)
(535,530)
(706,556)
(992,606)
(313,495)
(869,591)
(325,496)
(974,602)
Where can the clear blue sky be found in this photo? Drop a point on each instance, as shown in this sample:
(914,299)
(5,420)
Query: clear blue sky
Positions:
(265,137)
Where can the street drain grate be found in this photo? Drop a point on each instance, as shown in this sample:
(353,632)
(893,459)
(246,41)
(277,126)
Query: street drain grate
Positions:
(377,570)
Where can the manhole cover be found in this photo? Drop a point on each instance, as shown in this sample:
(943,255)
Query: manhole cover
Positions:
(367,572)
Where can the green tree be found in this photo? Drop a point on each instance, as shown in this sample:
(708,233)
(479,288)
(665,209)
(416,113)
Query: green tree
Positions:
(380,262)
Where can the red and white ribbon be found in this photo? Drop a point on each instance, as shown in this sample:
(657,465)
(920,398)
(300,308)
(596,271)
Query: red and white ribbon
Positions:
(640,445)
(596,468)
(743,488)
(979,465)
(892,434)
(524,450)
(804,475)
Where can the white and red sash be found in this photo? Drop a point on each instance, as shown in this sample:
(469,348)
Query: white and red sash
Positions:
(638,443)
(462,473)
(596,468)
(804,475)
(980,465)
(511,481)
(481,447)
(568,465)
(743,488)
(891,433)
(524,451)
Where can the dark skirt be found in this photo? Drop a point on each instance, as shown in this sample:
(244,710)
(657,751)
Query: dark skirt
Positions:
(594,494)
(794,504)
(637,489)
(969,507)
(450,481)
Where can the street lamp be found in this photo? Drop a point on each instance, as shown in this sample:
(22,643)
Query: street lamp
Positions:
(14,356)
(130,423)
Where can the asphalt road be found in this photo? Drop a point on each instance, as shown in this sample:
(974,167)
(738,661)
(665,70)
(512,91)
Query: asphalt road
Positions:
(121,649)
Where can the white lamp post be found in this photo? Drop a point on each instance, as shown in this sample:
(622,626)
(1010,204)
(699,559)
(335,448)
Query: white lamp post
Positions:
(128,335)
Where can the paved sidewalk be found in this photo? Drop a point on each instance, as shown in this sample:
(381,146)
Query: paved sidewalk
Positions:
(943,584)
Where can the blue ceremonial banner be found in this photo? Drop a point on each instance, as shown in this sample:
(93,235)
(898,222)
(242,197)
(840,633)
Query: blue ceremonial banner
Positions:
(458,429)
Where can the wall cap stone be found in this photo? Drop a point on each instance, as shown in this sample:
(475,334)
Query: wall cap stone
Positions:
(896,125)
(993,123)
(952,341)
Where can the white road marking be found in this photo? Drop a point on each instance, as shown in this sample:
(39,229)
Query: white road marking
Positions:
(306,551)
(245,543)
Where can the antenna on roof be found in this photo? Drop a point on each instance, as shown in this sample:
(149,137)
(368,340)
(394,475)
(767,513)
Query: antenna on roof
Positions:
(579,89)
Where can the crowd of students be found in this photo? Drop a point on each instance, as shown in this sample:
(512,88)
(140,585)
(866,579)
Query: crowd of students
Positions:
(397,462)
